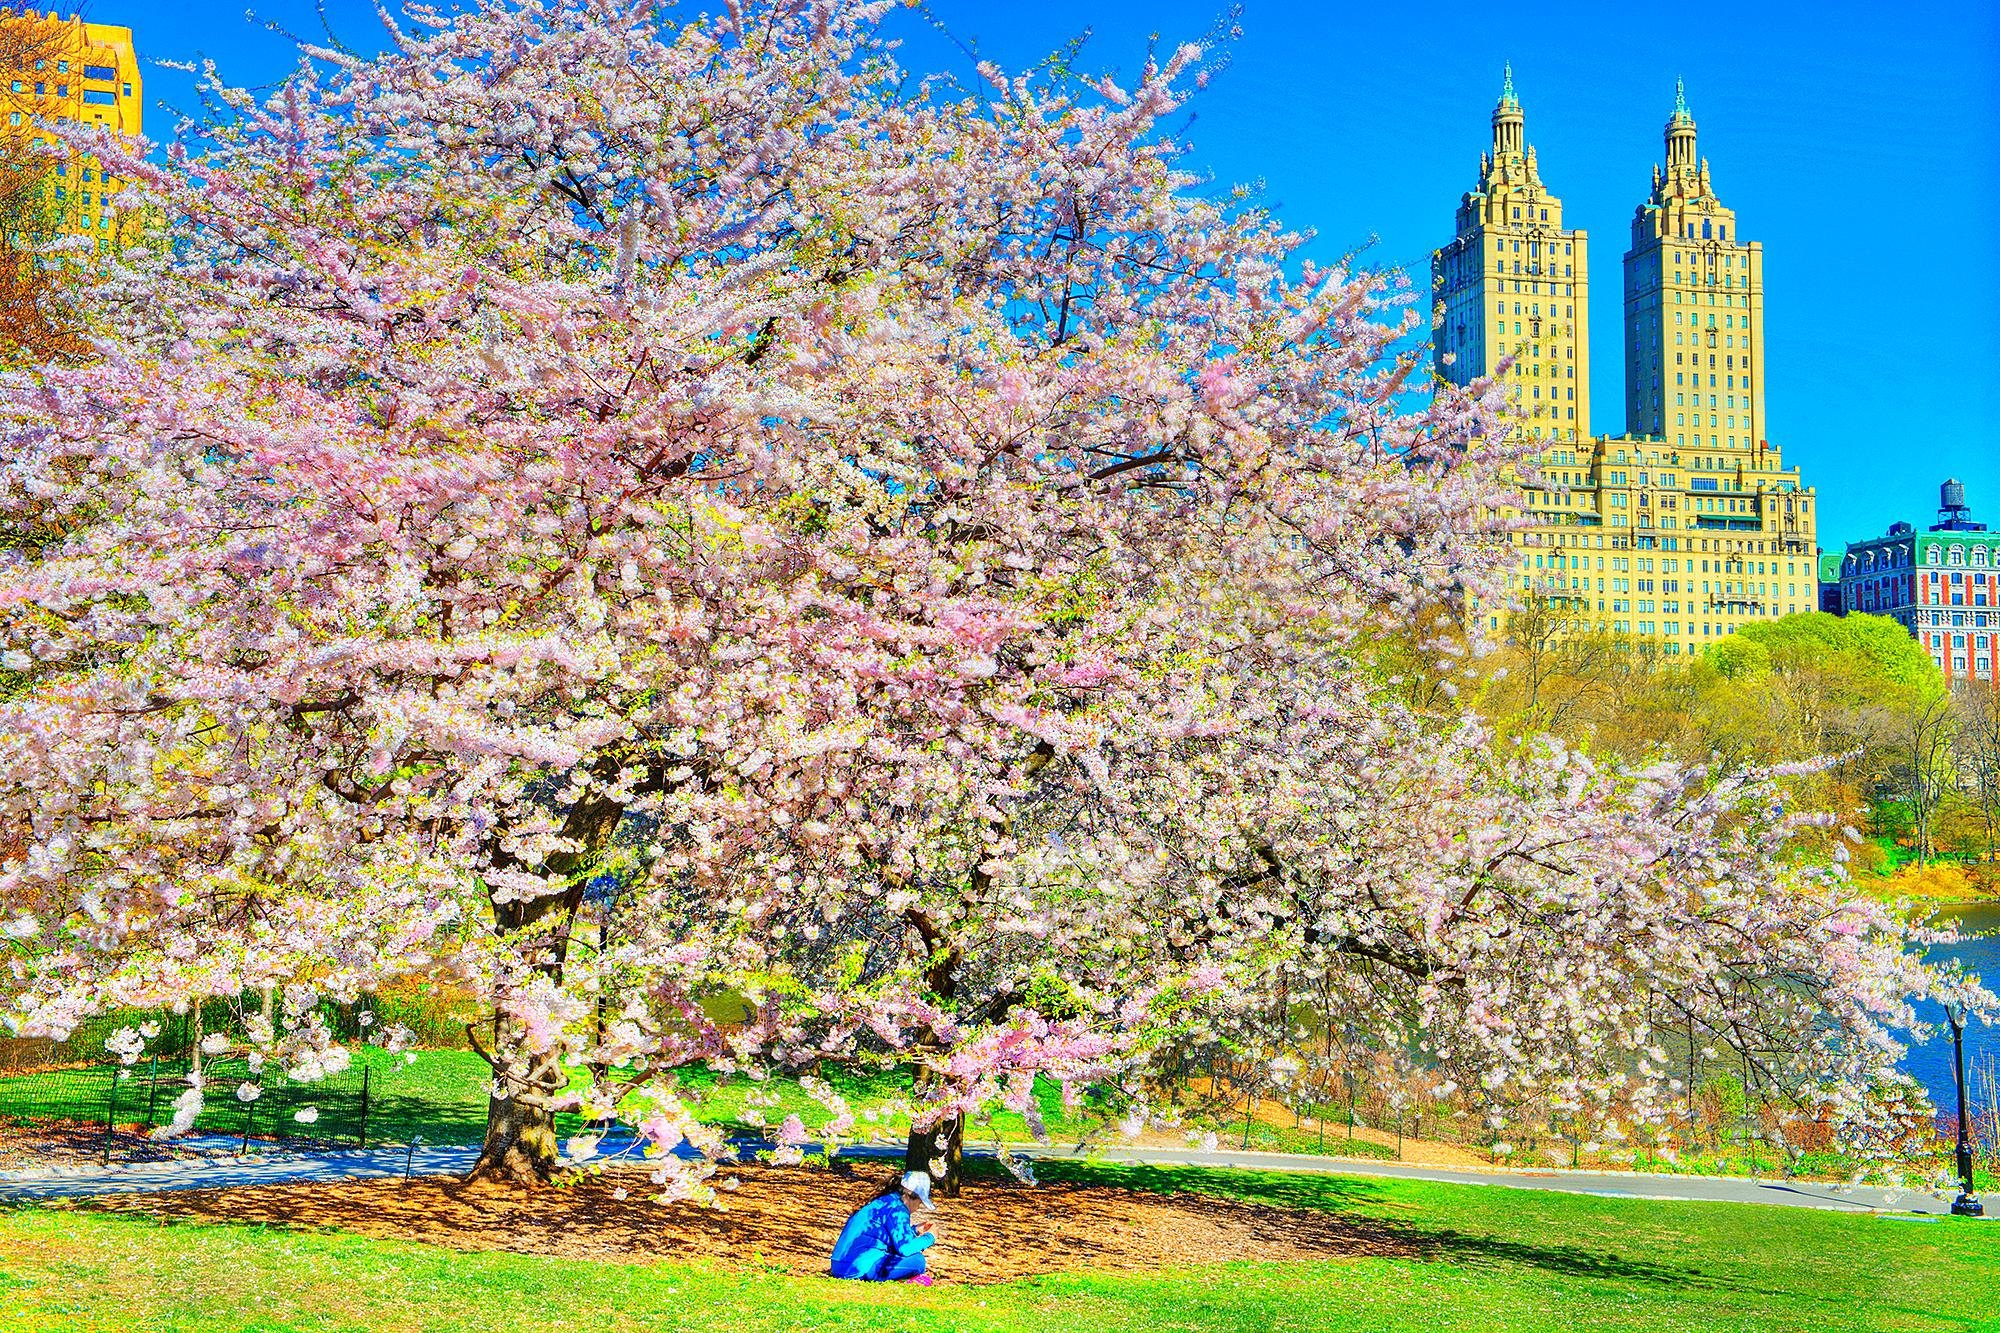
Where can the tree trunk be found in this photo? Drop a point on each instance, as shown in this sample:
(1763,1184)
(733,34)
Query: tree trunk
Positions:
(520,1146)
(943,1144)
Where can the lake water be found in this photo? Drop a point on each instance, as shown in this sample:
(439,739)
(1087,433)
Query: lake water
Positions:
(1930,1063)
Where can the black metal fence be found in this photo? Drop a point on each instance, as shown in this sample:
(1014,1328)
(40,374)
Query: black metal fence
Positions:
(176,1035)
(123,1104)
(434,1022)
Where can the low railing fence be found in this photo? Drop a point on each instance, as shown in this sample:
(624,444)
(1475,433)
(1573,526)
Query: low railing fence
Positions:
(123,1105)
(1713,1126)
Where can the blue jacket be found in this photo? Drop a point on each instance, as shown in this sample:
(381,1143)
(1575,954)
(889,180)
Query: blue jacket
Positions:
(878,1234)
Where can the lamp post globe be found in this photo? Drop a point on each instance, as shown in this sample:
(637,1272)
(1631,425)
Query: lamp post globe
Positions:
(1967,1203)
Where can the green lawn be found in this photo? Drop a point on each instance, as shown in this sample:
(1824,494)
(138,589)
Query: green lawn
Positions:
(440,1096)
(1477,1259)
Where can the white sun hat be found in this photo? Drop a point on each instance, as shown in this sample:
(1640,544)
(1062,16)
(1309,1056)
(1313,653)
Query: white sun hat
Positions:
(919,1184)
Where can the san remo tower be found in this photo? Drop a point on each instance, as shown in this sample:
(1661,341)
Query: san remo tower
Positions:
(1514,283)
(1688,526)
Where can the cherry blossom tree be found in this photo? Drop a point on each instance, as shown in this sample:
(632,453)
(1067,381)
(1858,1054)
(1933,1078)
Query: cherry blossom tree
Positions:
(618,508)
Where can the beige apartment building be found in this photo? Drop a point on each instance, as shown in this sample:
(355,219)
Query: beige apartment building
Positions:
(1688,525)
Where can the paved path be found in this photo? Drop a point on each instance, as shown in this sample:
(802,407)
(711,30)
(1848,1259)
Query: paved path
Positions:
(378,1163)
(1611,1184)
(255,1168)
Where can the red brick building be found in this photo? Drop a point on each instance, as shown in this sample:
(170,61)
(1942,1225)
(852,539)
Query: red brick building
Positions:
(1942,585)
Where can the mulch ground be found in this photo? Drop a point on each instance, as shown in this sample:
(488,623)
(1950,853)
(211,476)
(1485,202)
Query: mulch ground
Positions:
(77,1144)
(787,1218)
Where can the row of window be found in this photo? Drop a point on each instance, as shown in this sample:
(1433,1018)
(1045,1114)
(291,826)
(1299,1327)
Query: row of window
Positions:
(1624,563)
(1899,556)
(101,96)
(1914,620)
(1743,603)
(95,73)
(1737,547)
(14,120)
(1696,363)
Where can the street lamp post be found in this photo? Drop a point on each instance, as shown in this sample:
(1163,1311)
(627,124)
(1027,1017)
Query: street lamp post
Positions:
(1966,1204)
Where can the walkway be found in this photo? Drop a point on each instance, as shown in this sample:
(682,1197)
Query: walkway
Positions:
(1609,1184)
(213,1172)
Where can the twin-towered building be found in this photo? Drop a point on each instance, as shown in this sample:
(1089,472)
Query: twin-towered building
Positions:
(1688,525)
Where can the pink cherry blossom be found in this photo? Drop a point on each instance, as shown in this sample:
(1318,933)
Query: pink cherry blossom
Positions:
(725,553)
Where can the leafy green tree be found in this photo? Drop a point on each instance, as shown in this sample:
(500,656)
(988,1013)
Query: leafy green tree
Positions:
(1861,649)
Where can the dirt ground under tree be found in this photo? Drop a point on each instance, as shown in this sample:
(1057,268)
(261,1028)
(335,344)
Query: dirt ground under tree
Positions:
(787,1218)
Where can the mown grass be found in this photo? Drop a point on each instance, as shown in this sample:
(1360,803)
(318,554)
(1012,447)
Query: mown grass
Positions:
(1465,1258)
(441,1097)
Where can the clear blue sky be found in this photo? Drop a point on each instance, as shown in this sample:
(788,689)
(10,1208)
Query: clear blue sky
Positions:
(1860,142)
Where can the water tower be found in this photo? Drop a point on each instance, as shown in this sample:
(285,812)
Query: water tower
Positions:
(1953,513)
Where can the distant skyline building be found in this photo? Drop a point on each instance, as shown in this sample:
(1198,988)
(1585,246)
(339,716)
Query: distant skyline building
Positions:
(1942,585)
(66,71)
(1689,526)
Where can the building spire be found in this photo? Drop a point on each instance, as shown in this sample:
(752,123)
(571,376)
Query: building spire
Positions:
(1682,161)
(1509,134)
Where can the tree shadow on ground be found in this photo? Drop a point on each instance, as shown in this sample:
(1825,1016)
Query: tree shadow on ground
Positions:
(1082,1217)
(1430,1238)
(787,1218)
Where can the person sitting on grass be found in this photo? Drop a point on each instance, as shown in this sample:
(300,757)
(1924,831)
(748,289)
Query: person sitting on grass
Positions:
(885,1240)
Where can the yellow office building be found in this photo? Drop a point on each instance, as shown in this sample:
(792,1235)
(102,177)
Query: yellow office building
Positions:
(1689,525)
(61,71)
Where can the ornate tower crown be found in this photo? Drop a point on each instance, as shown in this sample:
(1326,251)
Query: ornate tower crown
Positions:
(1509,125)
(1683,163)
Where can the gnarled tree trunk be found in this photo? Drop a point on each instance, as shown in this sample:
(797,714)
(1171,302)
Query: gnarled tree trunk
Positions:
(520,1145)
(944,963)
(942,1144)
